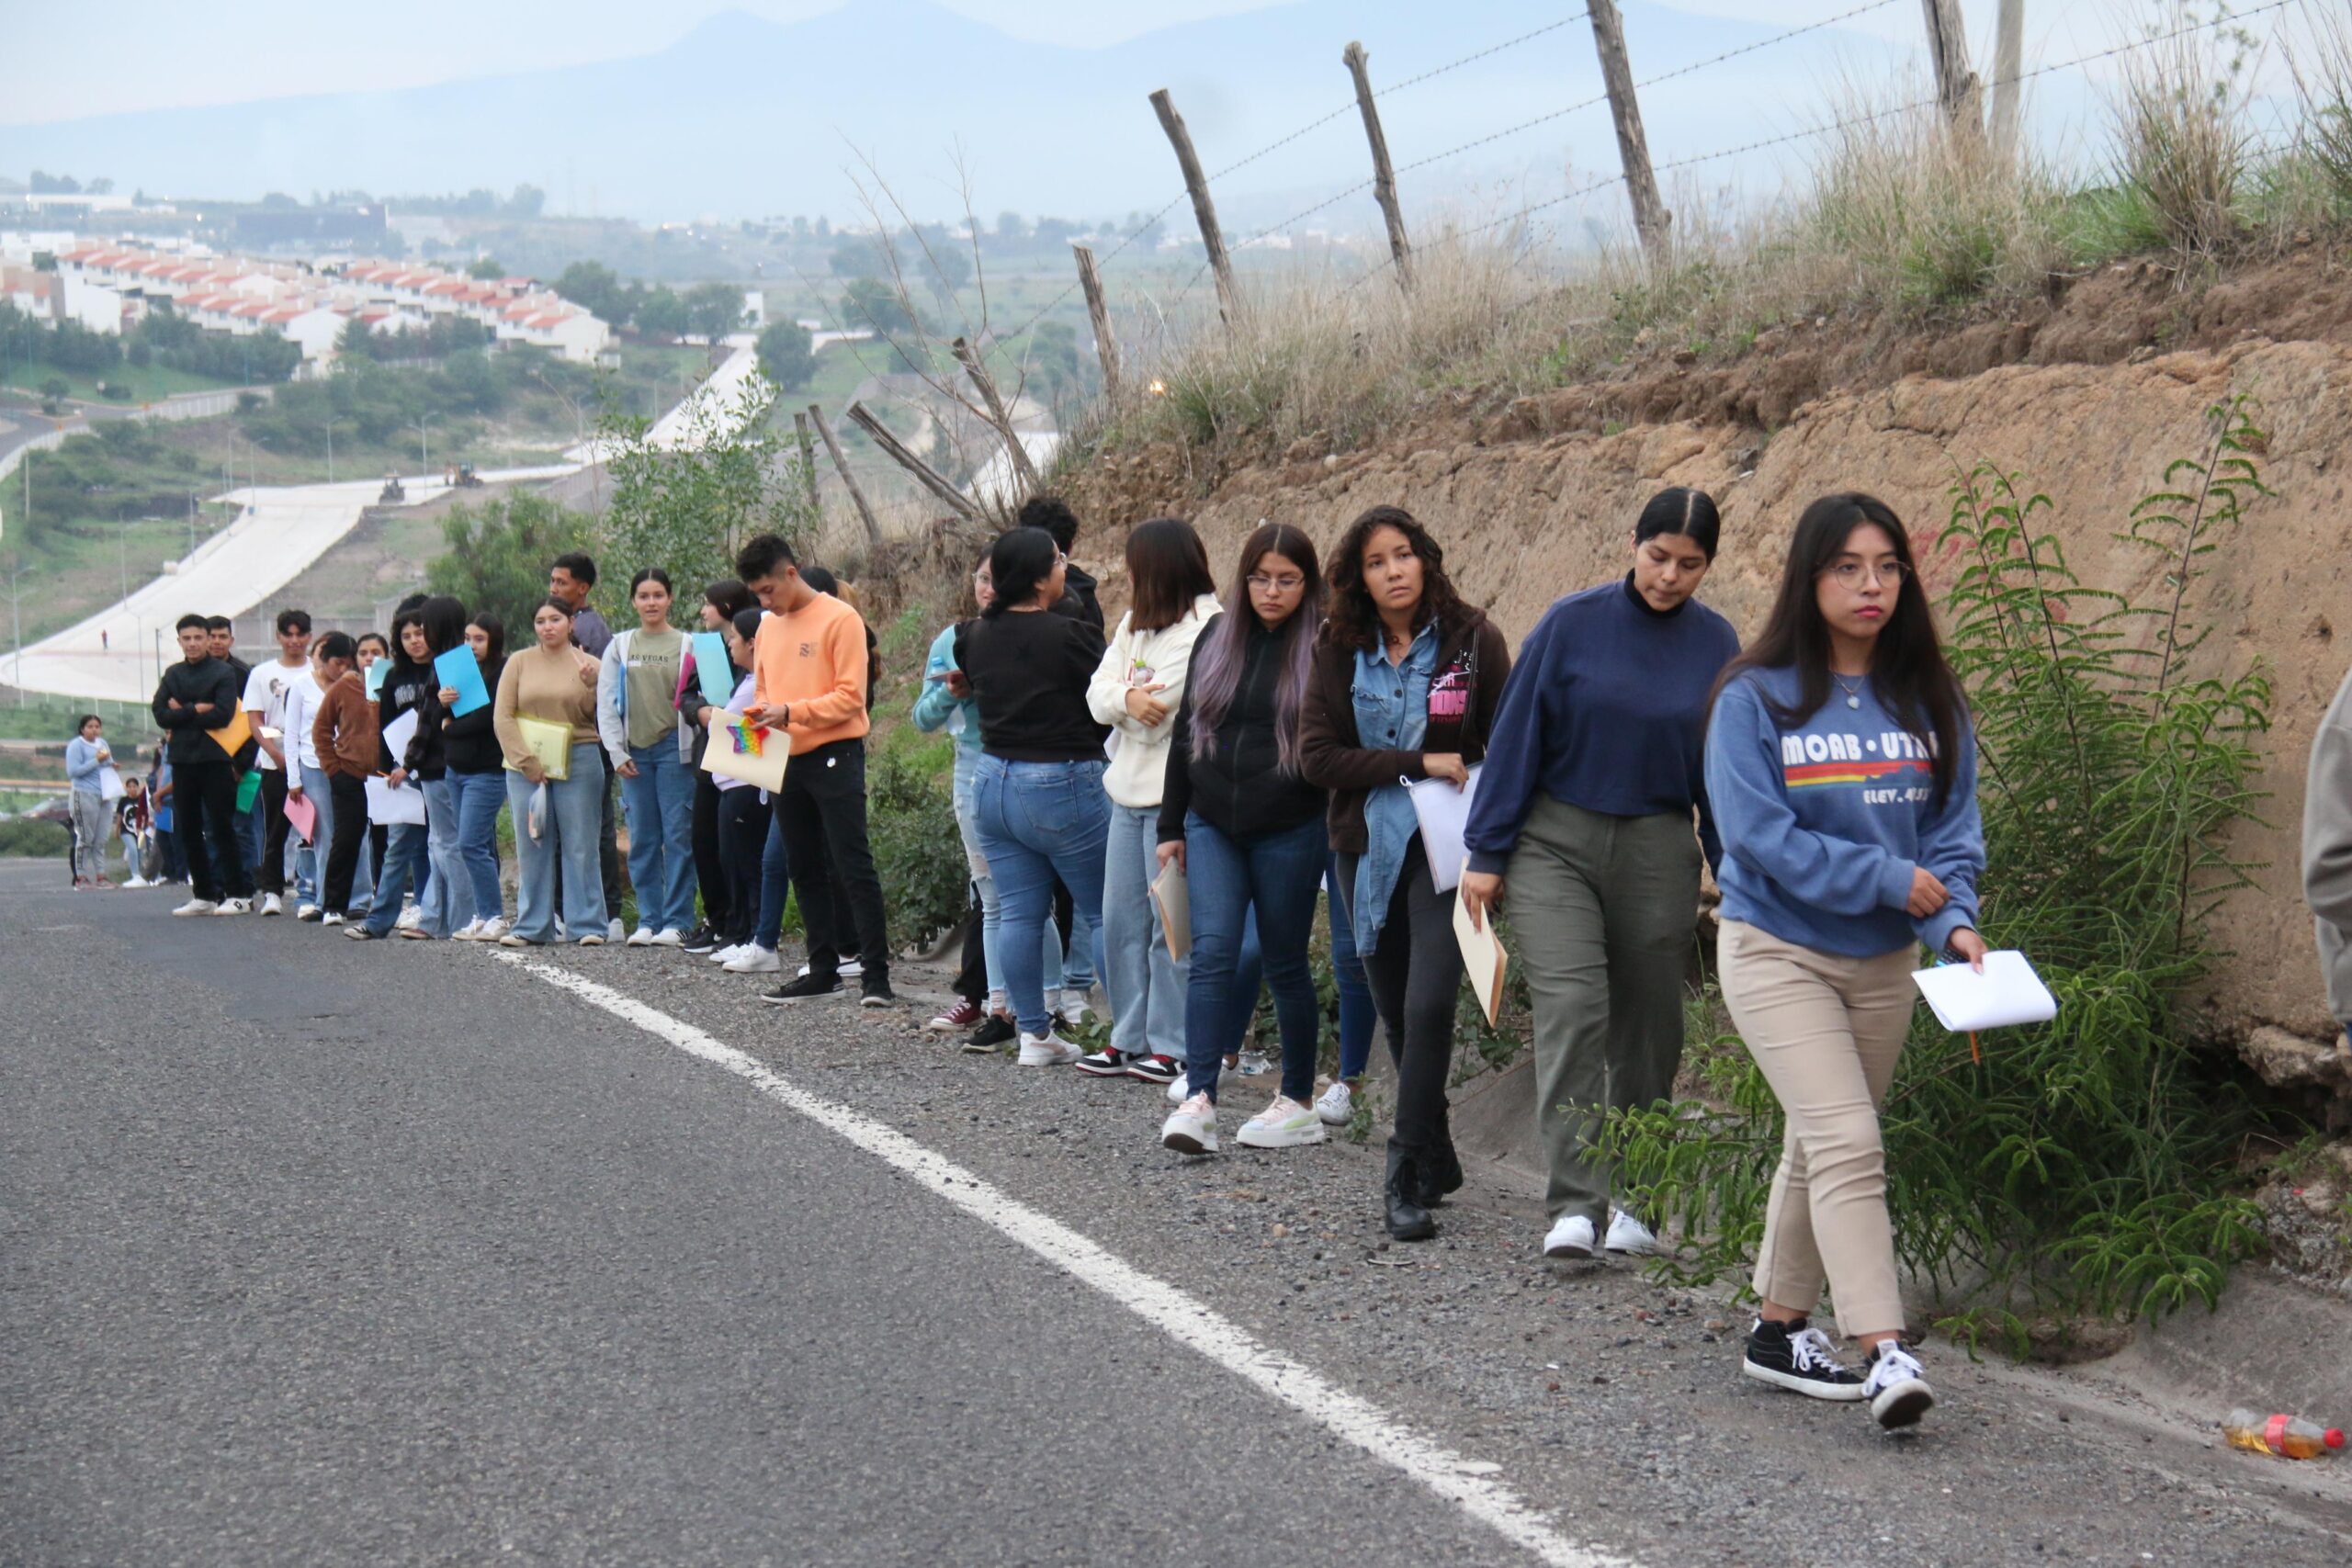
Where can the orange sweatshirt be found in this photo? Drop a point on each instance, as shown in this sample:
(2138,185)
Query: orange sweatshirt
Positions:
(814,659)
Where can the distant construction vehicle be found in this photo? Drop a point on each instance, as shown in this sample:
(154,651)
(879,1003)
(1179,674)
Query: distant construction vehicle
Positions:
(463,476)
(393,491)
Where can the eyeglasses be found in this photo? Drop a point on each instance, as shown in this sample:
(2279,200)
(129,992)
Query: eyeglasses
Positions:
(1849,573)
(1289,583)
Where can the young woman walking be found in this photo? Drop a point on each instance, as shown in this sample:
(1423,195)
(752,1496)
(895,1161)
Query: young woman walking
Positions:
(1842,769)
(721,602)
(1585,805)
(1137,691)
(1037,789)
(1407,681)
(406,689)
(553,681)
(1247,829)
(637,716)
(477,785)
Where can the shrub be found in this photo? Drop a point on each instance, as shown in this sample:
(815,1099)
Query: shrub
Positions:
(32,838)
(2185,148)
(911,822)
(2085,1166)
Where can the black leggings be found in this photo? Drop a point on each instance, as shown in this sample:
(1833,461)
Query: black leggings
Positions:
(711,871)
(350,841)
(1415,975)
(740,822)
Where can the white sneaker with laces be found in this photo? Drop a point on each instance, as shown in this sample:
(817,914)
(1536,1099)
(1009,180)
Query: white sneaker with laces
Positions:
(722,954)
(1074,1010)
(1896,1387)
(615,930)
(1176,1094)
(469,931)
(306,912)
(494,928)
(1570,1236)
(1336,1104)
(1284,1124)
(408,916)
(1191,1129)
(197,906)
(642,937)
(329,918)
(135,882)
(271,904)
(672,938)
(1629,1235)
(235,907)
(753,959)
(1046,1049)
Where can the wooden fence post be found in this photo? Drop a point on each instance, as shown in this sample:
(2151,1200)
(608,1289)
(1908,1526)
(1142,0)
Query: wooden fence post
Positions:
(1099,313)
(849,482)
(974,367)
(1384,174)
(1650,216)
(2008,89)
(1956,85)
(807,460)
(1229,302)
(930,477)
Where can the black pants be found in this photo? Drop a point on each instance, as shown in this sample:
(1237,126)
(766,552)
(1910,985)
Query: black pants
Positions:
(350,799)
(1416,973)
(204,792)
(271,877)
(608,852)
(972,979)
(713,873)
(741,826)
(823,807)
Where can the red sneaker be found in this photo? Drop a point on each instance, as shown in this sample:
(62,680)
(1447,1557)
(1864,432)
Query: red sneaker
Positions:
(963,1015)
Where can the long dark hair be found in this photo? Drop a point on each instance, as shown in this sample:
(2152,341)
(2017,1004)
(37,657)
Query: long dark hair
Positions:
(444,619)
(1216,663)
(1907,666)
(495,630)
(1354,619)
(1167,568)
(1019,563)
(728,597)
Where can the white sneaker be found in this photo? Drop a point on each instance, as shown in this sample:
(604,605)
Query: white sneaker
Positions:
(671,937)
(410,917)
(1336,1105)
(306,912)
(1284,1124)
(492,928)
(135,882)
(1046,1049)
(642,937)
(234,907)
(850,969)
(592,939)
(752,959)
(1570,1236)
(197,906)
(329,918)
(1629,1235)
(1191,1129)
(722,954)
(508,939)
(469,931)
(1075,1011)
(616,931)
(1896,1388)
(271,904)
(1176,1095)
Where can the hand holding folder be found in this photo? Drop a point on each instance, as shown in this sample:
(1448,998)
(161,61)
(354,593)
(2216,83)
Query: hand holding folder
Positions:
(1484,962)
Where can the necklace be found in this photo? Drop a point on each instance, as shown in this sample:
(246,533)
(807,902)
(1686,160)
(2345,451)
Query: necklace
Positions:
(1853,693)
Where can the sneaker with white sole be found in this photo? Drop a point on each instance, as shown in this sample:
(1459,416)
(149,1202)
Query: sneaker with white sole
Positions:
(1284,1124)
(235,907)
(753,959)
(509,939)
(995,1032)
(642,937)
(720,954)
(135,882)
(615,930)
(469,931)
(271,904)
(850,969)
(964,1015)
(670,938)
(197,906)
(306,912)
(1108,1063)
(1570,1236)
(1896,1388)
(1074,1010)
(592,939)
(329,918)
(408,916)
(494,929)
(1153,1068)
(1046,1049)
(1798,1358)
(1191,1128)
(1336,1105)
(1629,1235)
(1177,1088)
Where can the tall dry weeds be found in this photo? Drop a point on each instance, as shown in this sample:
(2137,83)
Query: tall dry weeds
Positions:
(2185,151)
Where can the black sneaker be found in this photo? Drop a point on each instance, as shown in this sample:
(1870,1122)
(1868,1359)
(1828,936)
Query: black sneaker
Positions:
(1792,1356)
(702,939)
(1108,1063)
(1896,1388)
(873,990)
(1151,1068)
(995,1032)
(801,988)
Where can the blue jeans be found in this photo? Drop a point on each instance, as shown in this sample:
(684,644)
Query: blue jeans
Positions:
(363,878)
(478,796)
(1275,875)
(1356,1011)
(776,886)
(1037,821)
(405,859)
(1145,987)
(575,806)
(447,897)
(661,805)
(1049,950)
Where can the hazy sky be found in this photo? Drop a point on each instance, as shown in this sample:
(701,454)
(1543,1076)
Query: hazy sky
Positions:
(64,60)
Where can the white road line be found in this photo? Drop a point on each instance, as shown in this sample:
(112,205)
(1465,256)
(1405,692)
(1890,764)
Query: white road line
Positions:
(1464,1483)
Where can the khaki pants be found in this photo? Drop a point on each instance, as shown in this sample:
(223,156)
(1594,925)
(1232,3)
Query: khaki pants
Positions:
(1603,909)
(1826,1031)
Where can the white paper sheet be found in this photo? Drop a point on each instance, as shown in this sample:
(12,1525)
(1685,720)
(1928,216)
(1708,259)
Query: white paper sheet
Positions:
(397,734)
(387,804)
(1445,812)
(1484,962)
(2008,993)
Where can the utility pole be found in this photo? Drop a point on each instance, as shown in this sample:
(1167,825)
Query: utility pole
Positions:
(1956,85)
(424,461)
(1229,302)
(1650,216)
(2008,90)
(1099,313)
(1384,174)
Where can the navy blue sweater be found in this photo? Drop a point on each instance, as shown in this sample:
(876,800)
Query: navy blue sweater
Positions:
(1606,709)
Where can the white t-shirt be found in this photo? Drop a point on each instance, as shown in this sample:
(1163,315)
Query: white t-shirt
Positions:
(303,694)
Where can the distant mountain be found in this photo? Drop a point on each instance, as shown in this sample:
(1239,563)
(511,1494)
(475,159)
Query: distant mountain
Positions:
(744,117)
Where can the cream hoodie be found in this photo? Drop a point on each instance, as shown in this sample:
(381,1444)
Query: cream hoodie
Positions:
(1140,757)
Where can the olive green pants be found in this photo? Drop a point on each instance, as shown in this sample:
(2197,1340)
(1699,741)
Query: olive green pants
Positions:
(1604,910)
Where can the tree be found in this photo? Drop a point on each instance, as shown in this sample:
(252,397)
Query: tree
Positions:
(594,288)
(662,314)
(55,185)
(102,185)
(1012,227)
(713,309)
(688,510)
(1053,231)
(785,356)
(488,269)
(527,202)
(946,269)
(497,556)
(870,302)
(859,257)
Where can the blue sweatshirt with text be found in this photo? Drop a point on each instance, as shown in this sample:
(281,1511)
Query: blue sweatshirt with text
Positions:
(1824,822)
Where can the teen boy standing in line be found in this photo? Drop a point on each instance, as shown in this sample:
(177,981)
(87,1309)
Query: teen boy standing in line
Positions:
(265,697)
(194,698)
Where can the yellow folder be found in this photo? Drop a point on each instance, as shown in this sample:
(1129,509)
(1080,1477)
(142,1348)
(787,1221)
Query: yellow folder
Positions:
(231,737)
(550,743)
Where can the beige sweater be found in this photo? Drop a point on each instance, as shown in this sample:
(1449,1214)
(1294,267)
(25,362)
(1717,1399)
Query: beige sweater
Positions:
(547,686)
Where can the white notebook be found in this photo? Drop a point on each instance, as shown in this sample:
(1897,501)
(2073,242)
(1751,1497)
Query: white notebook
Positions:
(2008,992)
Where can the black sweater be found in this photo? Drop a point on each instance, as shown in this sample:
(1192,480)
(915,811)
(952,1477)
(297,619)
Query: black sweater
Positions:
(412,686)
(1029,672)
(468,744)
(1239,788)
(210,682)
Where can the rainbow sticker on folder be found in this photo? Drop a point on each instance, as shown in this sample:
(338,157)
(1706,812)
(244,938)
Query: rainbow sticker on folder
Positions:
(746,736)
(746,755)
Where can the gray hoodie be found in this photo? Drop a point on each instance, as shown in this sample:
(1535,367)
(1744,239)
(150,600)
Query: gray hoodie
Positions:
(2328,848)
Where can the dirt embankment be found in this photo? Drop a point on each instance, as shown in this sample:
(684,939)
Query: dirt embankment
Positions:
(1537,498)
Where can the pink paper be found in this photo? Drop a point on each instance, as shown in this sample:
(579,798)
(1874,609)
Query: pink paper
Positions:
(304,814)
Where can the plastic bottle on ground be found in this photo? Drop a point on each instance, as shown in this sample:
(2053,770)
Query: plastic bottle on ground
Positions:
(2287,1437)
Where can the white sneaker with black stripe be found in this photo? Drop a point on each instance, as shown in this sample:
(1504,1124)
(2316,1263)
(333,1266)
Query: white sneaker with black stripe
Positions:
(1798,1358)
(1896,1388)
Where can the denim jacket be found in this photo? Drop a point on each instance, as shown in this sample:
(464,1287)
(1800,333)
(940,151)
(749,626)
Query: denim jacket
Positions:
(1392,711)
(936,708)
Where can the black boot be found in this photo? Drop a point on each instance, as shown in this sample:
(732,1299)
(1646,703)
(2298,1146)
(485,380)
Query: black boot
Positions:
(1409,1219)
(1440,1173)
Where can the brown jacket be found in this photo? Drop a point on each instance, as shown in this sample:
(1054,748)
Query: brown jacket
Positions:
(346,729)
(1331,755)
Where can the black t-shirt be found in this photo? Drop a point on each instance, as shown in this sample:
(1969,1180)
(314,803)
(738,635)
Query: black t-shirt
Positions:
(1029,672)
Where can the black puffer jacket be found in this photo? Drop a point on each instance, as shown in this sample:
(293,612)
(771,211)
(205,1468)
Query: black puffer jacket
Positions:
(1239,788)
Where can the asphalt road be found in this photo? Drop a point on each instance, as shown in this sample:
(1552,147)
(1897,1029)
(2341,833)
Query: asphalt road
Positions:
(320,1253)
